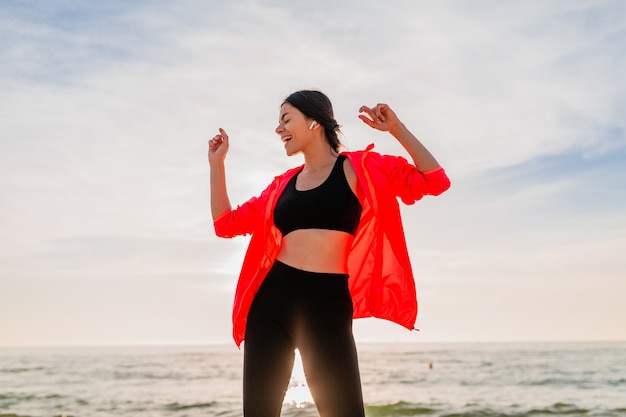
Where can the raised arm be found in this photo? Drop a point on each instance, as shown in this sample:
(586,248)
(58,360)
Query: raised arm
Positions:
(218,147)
(382,118)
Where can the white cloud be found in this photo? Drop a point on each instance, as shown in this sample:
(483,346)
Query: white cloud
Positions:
(105,129)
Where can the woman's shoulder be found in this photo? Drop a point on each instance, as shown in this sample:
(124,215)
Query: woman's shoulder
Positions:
(361,154)
(285,176)
(369,157)
(368,149)
(289,173)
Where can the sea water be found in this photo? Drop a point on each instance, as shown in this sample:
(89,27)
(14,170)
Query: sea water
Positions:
(539,379)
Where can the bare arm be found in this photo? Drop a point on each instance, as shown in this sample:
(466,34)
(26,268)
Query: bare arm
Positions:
(382,118)
(218,147)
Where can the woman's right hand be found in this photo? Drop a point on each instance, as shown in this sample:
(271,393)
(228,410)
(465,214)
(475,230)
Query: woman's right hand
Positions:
(218,146)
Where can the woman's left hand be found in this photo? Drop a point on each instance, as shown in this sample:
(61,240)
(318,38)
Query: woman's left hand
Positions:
(381,117)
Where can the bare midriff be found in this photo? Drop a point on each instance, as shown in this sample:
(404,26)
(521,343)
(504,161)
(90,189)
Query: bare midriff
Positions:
(316,250)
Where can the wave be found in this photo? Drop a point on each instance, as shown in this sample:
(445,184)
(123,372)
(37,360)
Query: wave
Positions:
(23,415)
(20,370)
(406,409)
(401,408)
(180,407)
(12,415)
(578,383)
(24,397)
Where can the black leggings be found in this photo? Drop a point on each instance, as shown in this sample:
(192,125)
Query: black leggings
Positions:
(312,312)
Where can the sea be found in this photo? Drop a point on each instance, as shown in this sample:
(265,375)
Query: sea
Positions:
(451,380)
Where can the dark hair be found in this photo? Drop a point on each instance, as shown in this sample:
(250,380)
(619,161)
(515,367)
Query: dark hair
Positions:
(315,105)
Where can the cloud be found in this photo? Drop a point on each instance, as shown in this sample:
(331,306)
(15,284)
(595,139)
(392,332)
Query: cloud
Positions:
(108,108)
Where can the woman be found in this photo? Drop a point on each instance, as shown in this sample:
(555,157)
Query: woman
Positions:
(327,246)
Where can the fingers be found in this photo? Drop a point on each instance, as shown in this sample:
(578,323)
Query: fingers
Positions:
(222,136)
(218,145)
(380,111)
(368,111)
(367,120)
(218,139)
(215,142)
(376,114)
(367,115)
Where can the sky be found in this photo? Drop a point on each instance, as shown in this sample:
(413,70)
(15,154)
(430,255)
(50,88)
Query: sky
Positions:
(106,108)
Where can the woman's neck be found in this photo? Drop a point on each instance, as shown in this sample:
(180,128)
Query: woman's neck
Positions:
(319,157)
(314,162)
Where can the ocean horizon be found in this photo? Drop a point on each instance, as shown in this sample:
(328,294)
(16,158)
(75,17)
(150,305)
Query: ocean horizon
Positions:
(399,379)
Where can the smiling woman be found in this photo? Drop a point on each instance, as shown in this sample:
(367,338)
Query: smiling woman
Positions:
(327,246)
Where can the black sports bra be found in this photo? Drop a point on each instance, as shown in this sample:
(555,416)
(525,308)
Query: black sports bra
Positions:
(331,206)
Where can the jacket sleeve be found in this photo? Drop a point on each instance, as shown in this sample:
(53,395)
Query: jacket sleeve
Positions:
(242,220)
(408,183)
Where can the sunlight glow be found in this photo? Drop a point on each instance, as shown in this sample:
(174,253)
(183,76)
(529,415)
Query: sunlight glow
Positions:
(298,393)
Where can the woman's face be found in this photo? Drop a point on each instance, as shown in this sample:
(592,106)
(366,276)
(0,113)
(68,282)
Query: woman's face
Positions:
(293,129)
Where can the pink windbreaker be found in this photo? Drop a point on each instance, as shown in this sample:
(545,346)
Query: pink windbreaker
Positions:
(381,278)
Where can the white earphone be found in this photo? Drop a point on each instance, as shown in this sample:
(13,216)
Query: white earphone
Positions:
(313,123)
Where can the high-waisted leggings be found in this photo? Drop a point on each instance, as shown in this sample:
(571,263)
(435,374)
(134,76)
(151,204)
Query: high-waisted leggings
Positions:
(312,312)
